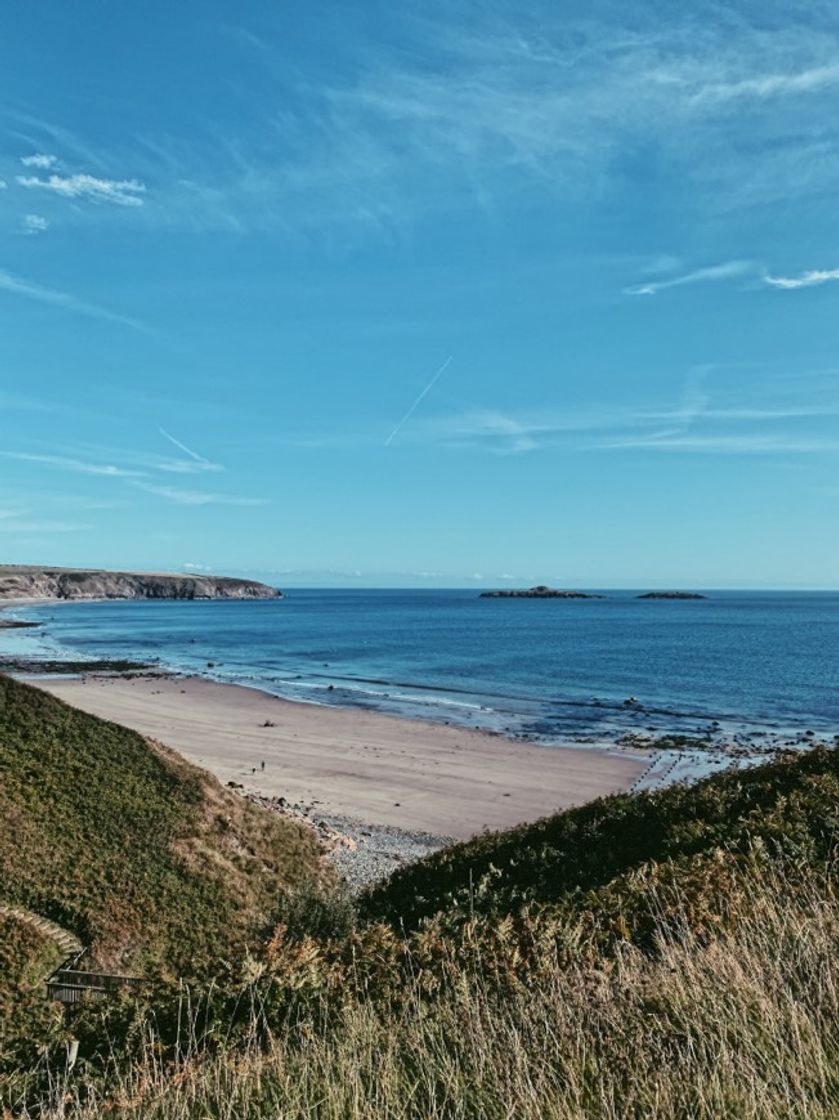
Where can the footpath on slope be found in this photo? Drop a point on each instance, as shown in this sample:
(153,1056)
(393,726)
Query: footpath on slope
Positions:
(66,941)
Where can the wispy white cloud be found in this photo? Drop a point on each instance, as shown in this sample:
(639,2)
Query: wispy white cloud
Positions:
(773,416)
(142,472)
(121,192)
(734,444)
(806,280)
(734,270)
(34,224)
(183,466)
(728,270)
(16,285)
(40,160)
(199,497)
(490,102)
(77,465)
(808,80)
(112,463)
(494,430)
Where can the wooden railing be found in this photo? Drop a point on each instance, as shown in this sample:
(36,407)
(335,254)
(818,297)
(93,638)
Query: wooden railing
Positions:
(69,984)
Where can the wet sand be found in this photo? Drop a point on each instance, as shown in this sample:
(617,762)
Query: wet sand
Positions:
(375,768)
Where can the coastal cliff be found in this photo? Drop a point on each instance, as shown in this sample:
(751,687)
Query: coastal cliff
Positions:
(19,582)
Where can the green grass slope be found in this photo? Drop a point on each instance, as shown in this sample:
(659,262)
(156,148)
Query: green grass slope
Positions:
(651,957)
(654,957)
(26,957)
(145,858)
(791,805)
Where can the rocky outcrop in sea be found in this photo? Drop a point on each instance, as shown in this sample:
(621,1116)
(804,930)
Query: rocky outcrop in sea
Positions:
(671,595)
(539,592)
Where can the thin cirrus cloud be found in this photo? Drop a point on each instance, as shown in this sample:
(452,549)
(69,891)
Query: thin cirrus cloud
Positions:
(734,444)
(809,80)
(78,466)
(728,270)
(481,107)
(144,476)
(198,497)
(16,285)
(136,466)
(765,419)
(734,270)
(809,279)
(120,192)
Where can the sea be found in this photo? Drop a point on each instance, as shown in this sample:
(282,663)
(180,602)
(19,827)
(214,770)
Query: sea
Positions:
(548,670)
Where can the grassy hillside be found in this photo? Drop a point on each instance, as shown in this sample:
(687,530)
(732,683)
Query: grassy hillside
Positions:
(145,858)
(791,805)
(26,957)
(743,1025)
(727,1007)
(657,957)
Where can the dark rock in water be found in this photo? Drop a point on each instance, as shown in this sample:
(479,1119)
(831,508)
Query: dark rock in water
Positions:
(672,595)
(538,592)
(34,666)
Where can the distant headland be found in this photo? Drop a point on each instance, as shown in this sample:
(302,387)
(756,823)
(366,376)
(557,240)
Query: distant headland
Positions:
(539,592)
(671,595)
(26,582)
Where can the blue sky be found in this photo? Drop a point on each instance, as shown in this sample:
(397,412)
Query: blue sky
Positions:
(422,294)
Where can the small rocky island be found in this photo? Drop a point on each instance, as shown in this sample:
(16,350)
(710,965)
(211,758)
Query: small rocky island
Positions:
(672,595)
(24,582)
(540,592)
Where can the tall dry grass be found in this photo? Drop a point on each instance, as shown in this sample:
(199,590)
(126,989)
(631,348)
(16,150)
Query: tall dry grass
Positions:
(739,1023)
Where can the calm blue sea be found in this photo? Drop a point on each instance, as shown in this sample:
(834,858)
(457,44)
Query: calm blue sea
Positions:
(546,668)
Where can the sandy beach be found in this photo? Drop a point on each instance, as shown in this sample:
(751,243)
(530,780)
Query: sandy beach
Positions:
(368,766)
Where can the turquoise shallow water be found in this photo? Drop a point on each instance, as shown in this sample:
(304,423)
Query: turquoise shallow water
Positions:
(548,668)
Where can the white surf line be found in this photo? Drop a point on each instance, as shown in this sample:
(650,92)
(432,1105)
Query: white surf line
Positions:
(413,407)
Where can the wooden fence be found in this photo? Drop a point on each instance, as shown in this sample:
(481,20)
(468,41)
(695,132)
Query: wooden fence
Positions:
(69,984)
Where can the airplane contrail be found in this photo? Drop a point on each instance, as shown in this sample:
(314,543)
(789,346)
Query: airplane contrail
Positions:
(187,451)
(413,407)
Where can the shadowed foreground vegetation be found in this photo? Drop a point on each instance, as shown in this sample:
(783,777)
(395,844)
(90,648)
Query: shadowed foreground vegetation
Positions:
(739,1023)
(646,956)
(146,859)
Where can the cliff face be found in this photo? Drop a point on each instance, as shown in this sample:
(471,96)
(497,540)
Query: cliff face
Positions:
(68,583)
